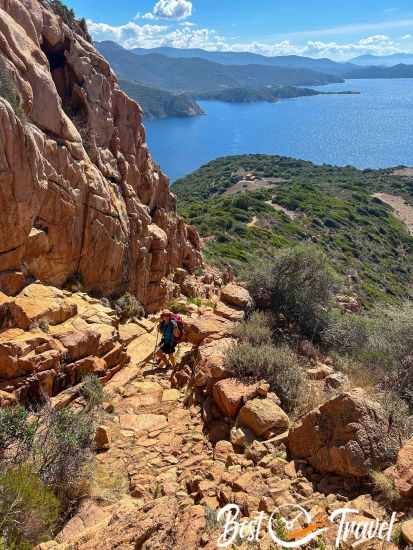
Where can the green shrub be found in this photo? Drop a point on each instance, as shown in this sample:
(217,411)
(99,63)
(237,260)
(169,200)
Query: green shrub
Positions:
(16,434)
(299,285)
(62,446)
(345,332)
(385,488)
(127,307)
(256,331)
(278,365)
(28,509)
(92,391)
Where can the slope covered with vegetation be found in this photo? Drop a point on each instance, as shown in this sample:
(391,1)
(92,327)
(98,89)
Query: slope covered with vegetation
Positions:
(158,103)
(293,201)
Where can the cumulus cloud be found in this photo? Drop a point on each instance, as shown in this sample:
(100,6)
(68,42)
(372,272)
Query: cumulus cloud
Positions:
(182,35)
(173,9)
(169,9)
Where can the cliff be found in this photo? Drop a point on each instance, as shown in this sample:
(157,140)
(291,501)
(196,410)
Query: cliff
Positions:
(80,194)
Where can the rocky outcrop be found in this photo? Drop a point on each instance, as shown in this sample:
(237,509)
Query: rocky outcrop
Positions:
(348,435)
(80,197)
(402,472)
(52,340)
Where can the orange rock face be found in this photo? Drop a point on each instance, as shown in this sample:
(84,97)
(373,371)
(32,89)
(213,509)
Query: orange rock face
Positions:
(80,193)
(345,436)
(402,471)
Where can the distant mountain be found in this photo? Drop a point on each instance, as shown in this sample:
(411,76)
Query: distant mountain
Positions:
(247,58)
(195,75)
(157,103)
(398,71)
(384,60)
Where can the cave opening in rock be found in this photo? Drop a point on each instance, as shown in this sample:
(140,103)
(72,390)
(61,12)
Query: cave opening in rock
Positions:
(67,84)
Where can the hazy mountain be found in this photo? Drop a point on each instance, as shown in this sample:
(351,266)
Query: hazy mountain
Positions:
(158,103)
(199,75)
(398,71)
(248,58)
(386,60)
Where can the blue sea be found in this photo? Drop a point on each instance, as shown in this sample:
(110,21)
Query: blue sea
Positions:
(370,130)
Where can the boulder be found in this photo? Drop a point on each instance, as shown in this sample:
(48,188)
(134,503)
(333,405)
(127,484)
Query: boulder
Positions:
(102,438)
(263,416)
(231,313)
(12,282)
(407,531)
(209,366)
(7,399)
(80,344)
(37,303)
(402,471)
(319,372)
(207,327)
(345,436)
(230,394)
(235,295)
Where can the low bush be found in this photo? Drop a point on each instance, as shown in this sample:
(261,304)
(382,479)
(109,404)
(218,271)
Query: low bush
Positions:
(345,332)
(28,509)
(299,285)
(127,307)
(378,346)
(44,460)
(256,331)
(385,488)
(92,391)
(16,434)
(278,365)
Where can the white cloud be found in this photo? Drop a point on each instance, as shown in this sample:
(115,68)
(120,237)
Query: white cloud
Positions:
(173,9)
(169,9)
(351,29)
(184,35)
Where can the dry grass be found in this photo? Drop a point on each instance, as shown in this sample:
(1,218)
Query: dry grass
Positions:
(109,485)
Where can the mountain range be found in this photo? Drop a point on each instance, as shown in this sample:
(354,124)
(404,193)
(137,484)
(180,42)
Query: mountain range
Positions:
(196,75)
(248,58)
(166,81)
(383,60)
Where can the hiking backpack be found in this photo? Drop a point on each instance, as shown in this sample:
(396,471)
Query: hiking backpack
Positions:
(181,326)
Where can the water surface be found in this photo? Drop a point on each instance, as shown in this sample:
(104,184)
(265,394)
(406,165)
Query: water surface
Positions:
(370,130)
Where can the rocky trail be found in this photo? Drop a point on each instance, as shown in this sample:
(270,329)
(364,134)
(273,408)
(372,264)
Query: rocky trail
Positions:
(169,457)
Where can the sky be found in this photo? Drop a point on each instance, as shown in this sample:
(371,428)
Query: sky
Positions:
(336,29)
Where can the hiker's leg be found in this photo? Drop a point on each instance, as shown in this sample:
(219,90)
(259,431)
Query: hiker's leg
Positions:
(161,358)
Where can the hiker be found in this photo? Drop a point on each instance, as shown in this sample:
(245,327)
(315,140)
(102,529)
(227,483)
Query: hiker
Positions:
(169,329)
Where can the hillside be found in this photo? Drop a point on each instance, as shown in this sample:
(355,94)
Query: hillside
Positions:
(397,71)
(158,103)
(248,58)
(196,75)
(251,95)
(290,201)
(383,60)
